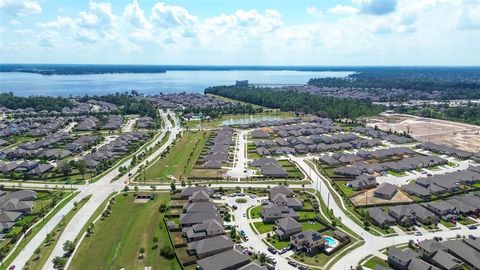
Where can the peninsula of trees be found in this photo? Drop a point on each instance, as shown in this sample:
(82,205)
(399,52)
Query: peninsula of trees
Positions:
(330,107)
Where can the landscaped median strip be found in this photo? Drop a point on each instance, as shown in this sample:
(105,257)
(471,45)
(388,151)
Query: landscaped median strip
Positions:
(38,260)
(24,240)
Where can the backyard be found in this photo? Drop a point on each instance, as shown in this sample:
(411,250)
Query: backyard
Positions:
(120,238)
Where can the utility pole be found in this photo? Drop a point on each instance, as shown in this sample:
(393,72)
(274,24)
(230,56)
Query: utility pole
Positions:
(328,201)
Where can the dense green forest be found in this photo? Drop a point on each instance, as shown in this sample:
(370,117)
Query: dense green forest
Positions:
(39,103)
(217,111)
(128,103)
(300,102)
(451,83)
(469,114)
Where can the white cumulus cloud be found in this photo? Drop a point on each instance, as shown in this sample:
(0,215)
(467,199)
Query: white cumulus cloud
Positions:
(342,9)
(20,7)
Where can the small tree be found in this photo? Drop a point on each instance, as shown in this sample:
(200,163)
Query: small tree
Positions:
(59,262)
(37,253)
(82,167)
(262,258)
(172,186)
(68,247)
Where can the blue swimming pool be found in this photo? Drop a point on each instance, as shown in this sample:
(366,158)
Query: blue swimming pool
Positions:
(331,242)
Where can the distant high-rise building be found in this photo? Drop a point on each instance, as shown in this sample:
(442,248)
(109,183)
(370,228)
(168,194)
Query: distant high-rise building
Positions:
(243,83)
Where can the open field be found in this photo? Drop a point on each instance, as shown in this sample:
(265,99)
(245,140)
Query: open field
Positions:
(118,238)
(239,119)
(179,161)
(459,135)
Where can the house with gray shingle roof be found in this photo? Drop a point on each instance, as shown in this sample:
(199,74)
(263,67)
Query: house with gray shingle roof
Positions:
(286,227)
(463,251)
(308,241)
(385,191)
(190,219)
(283,200)
(253,266)
(272,212)
(188,191)
(209,246)
(380,218)
(362,182)
(446,261)
(227,260)
(400,259)
(206,229)
(348,171)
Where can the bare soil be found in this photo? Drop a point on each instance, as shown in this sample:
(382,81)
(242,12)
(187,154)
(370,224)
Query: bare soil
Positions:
(458,135)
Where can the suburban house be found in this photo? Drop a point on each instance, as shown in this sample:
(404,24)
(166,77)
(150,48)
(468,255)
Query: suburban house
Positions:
(209,246)
(272,212)
(308,241)
(227,260)
(380,218)
(362,182)
(206,229)
(385,191)
(188,191)
(283,200)
(13,205)
(287,227)
(280,190)
(403,215)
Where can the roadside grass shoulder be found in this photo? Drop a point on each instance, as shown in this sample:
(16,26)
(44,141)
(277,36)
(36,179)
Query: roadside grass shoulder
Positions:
(119,239)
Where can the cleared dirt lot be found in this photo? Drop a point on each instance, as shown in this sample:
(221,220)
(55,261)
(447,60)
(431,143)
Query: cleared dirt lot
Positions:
(359,200)
(458,135)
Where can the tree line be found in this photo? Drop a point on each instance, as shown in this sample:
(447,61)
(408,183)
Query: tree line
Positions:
(128,103)
(451,83)
(323,106)
(467,114)
(218,111)
(39,103)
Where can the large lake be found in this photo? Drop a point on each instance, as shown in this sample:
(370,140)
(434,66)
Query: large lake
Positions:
(25,84)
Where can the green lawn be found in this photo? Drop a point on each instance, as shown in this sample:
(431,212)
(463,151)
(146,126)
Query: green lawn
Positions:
(181,158)
(315,226)
(467,221)
(291,169)
(306,214)
(374,261)
(118,238)
(397,174)
(255,212)
(37,262)
(278,244)
(447,224)
(348,191)
(263,228)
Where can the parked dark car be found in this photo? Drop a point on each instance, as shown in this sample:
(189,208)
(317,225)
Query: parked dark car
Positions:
(292,263)
(272,250)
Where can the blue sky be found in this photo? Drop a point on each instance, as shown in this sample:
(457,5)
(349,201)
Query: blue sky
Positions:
(247,32)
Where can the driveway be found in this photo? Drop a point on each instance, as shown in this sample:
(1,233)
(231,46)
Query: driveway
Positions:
(254,241)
